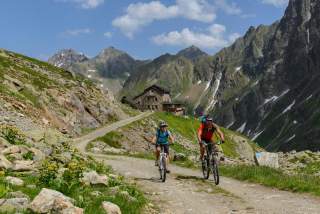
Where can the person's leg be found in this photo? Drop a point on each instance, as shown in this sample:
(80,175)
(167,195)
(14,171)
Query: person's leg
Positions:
(202,149)
(157,154)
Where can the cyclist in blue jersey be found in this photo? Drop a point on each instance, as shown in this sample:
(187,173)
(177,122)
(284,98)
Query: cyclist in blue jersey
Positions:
(162,138)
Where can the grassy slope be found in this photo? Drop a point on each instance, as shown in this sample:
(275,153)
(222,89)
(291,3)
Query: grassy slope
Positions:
(188,127)
(274,178)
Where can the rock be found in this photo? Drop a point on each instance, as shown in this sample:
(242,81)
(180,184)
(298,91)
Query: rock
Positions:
(114,190)
(114,150)
(23,165)
(31,186)
(17,194)
(93,177)
(15,156)
(37,154)
(14,181)
(5,163)
(111,208)
(11,150)
(179,157)
(267,159)
(51,201)
(4,143)
(127,196)
(96,150)
(113,176)
(12,205)
(96,193)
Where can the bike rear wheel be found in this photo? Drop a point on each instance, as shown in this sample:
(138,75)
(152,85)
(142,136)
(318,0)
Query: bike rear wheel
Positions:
(215,170)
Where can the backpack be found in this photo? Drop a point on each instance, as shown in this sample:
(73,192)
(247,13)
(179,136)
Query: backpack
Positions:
(162,139)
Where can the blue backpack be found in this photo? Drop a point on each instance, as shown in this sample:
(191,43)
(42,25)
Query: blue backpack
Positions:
(162,138)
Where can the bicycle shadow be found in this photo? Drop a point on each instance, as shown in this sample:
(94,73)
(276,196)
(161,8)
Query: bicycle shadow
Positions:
(152,179)
(189,177)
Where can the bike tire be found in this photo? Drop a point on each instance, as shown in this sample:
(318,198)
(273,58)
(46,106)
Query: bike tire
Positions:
(163,170)
(215,170)
(205,168)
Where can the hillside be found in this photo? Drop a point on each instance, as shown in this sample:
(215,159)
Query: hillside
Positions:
(41,108)
(37,94)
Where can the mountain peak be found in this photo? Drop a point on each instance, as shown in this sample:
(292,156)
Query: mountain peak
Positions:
(192,53)
(66,57)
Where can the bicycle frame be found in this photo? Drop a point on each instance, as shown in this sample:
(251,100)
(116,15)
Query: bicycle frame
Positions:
(211,162)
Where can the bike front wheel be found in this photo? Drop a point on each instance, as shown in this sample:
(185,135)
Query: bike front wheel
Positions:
(215,170)
(205,168)
(163,169)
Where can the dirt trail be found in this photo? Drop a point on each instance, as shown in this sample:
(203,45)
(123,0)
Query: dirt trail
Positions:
(82,142)
(185,192)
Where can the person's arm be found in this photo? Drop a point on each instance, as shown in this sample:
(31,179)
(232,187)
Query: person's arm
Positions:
(220,133)
(171,138)
(154,140)
(200,133)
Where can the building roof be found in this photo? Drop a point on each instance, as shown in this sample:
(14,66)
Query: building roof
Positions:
(156,88)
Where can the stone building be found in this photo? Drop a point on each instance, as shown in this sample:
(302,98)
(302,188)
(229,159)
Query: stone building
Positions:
(155,98)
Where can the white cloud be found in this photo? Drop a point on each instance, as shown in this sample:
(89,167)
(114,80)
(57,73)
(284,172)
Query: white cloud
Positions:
(213,37)
(108,35)
(229,8)
(276,3)
(85,4)
(77,32)
(140,14)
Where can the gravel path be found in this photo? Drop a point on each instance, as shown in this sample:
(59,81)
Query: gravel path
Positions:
(185,192)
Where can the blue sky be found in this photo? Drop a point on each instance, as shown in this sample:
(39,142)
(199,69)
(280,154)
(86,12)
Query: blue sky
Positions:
(144,29)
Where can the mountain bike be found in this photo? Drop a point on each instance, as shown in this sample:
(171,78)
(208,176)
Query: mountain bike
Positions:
(210,162)
(163,164)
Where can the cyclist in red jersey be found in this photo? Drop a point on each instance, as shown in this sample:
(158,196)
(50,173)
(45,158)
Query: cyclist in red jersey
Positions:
(205,134)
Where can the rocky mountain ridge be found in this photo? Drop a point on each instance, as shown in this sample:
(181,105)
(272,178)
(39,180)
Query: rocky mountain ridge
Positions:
(263,85)
(110,68)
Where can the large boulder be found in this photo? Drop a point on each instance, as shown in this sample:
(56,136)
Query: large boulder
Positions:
(51,201)
(267,159)
(93,177)
(15,149)
(111,208)
(14,181)
(23,165)
(12,205)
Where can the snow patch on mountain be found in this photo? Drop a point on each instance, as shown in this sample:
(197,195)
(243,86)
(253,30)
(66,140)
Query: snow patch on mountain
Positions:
(242,128)
(289,107)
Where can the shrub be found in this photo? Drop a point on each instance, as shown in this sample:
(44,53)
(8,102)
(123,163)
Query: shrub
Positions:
(28,156)
(12,135)
(48,172)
